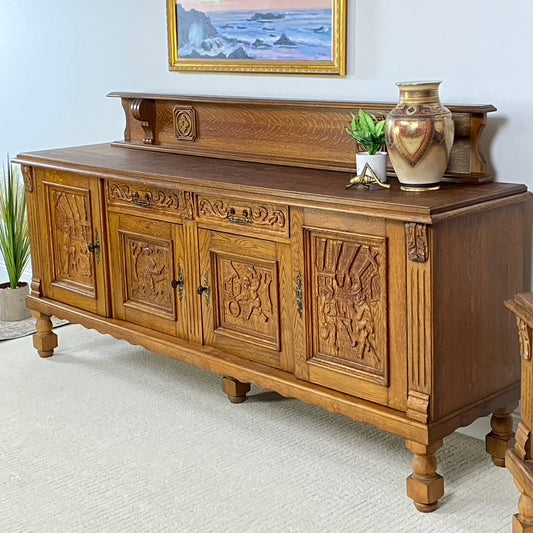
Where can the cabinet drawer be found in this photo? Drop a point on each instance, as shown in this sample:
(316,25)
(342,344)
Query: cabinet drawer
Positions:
(266,218)
(152,198)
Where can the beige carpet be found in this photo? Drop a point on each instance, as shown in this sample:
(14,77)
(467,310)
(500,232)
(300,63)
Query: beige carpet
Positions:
(21,328)
(106,437)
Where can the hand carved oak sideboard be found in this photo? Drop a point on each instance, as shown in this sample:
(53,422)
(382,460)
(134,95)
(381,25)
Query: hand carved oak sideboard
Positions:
(219,232)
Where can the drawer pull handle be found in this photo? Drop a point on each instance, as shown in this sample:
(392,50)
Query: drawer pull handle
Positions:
(299,295)
(145,201)
(235,218)
(95,248)
(203,290)
(179,283)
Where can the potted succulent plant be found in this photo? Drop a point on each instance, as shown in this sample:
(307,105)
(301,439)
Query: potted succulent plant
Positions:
(14,244)
(369,133)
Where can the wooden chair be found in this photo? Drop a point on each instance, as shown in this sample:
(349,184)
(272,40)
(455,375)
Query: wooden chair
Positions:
(519,458)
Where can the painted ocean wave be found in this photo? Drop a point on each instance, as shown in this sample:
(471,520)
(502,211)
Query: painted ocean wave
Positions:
(275,36)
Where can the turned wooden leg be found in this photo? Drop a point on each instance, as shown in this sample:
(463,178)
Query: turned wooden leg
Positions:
(502,435)
(424,486)
(235,390)
(523,521)
(45,340)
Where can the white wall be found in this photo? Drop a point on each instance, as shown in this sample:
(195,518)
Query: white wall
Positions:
(58,59)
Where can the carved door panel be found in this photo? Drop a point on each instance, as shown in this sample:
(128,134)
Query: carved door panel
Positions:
(75,244)
(242,294)
(148,274)
(347,314)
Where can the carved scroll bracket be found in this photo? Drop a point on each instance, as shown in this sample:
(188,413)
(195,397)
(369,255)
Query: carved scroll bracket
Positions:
(143,111)
(417,242)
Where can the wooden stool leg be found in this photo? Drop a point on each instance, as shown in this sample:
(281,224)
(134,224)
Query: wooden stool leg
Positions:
(235,390)
(45,340)
(424,486)
(502,435)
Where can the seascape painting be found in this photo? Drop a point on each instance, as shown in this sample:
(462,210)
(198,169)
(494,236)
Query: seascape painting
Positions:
(275,36)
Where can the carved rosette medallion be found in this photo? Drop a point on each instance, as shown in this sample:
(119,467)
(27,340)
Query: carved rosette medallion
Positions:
(149,267)
(417,242)
(185,123)
(72,235)
(248,300)
(349,302)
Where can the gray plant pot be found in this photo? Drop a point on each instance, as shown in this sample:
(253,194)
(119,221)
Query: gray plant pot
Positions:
(13,302)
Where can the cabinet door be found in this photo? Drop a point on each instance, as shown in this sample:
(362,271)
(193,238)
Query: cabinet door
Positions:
(75,264)
(355,309)
(243,293)
(147,272)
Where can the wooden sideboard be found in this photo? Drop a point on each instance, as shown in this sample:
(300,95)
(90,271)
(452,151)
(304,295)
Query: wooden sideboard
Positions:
(380,305)
(519,459)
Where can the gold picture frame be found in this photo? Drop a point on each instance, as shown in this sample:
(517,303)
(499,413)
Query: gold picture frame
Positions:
(283,37)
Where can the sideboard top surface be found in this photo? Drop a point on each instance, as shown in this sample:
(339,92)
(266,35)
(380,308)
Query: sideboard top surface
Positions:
(295,185)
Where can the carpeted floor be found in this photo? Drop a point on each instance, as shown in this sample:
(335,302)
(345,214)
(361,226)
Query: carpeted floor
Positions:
(106,437)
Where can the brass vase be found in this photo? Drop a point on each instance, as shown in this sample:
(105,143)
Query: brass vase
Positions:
(420,134)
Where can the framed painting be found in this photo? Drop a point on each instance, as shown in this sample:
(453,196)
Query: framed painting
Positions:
(273,37)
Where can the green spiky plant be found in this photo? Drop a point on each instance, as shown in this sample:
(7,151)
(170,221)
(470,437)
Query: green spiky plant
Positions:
(14,231)
(368,132)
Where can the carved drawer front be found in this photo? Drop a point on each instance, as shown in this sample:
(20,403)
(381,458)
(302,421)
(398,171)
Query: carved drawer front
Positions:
(241,287)
(150,197)
(347,308)
(231,213)
(75,243)
(148,272)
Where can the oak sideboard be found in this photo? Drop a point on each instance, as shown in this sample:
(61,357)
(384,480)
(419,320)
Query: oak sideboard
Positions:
(220,232)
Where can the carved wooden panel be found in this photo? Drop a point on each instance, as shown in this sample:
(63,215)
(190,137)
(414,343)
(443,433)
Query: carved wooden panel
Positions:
(295,133)
(148,270)
(348,299)
(247,296)
(150,197)
(71,227)
(419,339)
(264,217)
(244,295)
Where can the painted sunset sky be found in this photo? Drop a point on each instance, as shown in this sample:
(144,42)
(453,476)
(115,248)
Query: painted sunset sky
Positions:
(245,5)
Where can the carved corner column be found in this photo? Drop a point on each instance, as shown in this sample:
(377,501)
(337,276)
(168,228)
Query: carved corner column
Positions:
(519,458)
(424,486)
(34,220)
(420,322)
(523,433)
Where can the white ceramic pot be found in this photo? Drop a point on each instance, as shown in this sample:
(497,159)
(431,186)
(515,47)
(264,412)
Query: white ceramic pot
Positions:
(378,163)
(13,303)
